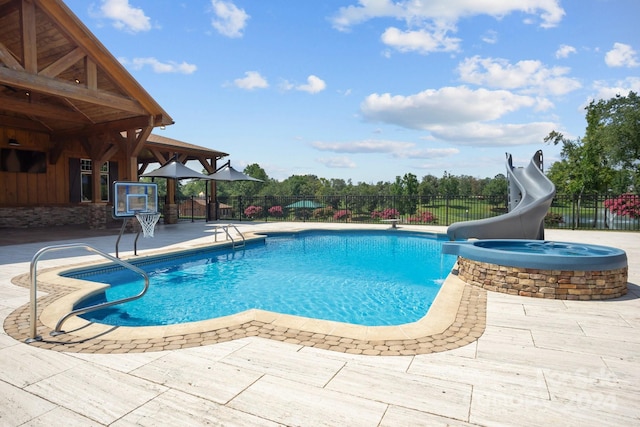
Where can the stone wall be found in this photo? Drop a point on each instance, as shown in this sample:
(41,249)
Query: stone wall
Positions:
(43,216)
(94,216)
(553,284)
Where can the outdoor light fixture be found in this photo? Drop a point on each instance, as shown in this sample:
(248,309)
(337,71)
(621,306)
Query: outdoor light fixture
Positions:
(14,142)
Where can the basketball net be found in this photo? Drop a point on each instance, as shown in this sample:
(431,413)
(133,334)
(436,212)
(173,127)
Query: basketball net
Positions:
(148,222)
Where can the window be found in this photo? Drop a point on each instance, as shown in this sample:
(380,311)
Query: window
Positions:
(86,180)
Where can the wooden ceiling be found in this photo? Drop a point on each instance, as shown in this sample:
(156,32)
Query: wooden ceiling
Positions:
(56,77)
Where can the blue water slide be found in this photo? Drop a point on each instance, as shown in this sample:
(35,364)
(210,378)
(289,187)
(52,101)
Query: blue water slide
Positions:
(530,196)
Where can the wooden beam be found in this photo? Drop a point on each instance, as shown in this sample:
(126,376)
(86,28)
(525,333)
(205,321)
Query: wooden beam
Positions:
(55,87)
(208,167)
(109,153)
(29,47)
(41,110)
(9,8)
(91,69)
(17,122)
(8,59)
(159,156)
(63,63)
(140,140)
(116,125)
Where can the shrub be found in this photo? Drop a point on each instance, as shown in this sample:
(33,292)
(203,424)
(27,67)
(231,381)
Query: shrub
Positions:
(625,204)
(326,212)
(276,211)
(385,214)
(425,217)
(342,215)
(253,211)
(553,219)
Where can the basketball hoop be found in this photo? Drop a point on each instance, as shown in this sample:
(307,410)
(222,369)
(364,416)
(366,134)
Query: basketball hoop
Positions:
(148,222)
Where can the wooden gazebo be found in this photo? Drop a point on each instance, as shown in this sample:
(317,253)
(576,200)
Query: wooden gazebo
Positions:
(72,120)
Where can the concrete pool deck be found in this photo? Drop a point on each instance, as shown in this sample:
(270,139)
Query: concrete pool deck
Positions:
(538,362)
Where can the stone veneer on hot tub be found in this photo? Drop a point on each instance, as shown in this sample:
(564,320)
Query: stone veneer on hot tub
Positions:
(542,269)
(553,284)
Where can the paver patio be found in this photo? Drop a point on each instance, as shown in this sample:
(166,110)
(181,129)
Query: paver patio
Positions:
(537,362)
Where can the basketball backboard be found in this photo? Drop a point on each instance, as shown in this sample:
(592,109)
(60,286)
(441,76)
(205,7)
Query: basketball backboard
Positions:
(131,198)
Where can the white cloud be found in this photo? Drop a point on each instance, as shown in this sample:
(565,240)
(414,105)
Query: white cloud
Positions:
(564,51)
(622,55)
(421,41)
(490,37)
(428,153)
(450,105)
(252,80)
(528,76)
(160,67)
(430,23)
(365,146)
(450,11)
(397,149)
(124,16)
(337,162)
(493,134)
(314,85)
(229,20)
(606,91)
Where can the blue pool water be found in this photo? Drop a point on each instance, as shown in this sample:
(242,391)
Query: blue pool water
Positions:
(371,278)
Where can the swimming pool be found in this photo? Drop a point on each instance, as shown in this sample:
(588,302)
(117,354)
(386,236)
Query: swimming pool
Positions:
(372,278)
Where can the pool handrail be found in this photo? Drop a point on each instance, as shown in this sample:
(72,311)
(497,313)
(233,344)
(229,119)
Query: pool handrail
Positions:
(33,270)
(234,245)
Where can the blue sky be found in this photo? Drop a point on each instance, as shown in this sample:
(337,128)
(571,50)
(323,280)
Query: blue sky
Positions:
(371,89)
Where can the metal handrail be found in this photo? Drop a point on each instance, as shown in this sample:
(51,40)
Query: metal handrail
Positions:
(34,287)
(225,228)
(233,243)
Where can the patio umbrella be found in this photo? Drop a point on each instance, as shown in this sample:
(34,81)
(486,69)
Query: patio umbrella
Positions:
(175,170)
(308,204)
(227,173)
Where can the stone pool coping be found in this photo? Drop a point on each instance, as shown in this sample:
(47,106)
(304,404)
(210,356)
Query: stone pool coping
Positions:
(456,318)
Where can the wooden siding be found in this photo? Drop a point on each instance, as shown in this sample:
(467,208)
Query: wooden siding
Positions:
(39,189)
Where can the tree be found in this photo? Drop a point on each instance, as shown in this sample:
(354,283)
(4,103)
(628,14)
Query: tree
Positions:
(251,188)
(587,170)
(496,190)
(449,185)
(428,186)
(406,188)
(615,126)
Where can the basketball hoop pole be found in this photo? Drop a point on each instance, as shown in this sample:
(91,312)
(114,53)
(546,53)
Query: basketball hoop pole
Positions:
(149,219)
(135,243)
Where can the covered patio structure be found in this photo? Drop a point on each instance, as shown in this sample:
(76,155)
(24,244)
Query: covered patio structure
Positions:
(72,121)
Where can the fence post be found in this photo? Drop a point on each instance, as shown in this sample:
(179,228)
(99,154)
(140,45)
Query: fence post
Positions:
(446,208)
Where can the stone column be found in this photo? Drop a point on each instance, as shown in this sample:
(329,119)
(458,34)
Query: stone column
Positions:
(98,214)
(170,213)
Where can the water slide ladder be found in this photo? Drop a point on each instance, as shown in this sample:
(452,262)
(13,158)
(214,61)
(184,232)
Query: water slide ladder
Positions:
(33,270)
(234,244)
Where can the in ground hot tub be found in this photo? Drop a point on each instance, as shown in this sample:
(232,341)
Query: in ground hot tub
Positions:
(542,269)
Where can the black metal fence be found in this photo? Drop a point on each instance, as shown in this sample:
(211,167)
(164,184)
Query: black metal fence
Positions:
(568,212)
